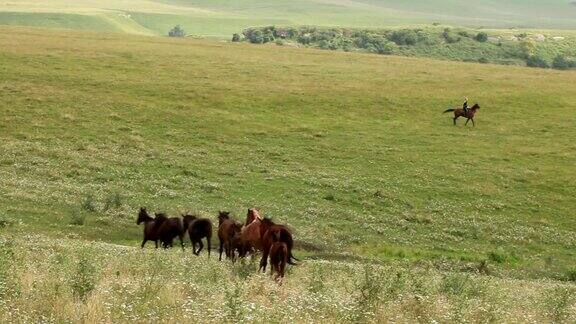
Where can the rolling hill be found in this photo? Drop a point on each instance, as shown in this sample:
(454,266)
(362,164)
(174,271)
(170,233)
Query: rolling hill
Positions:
(221,18)
(398,215)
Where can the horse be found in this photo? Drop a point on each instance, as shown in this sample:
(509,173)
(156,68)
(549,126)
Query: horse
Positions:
(198,228)
(250,235)
(278,256)
(168,229)
(150,227)
(228,235)
(470,112)
(269,230)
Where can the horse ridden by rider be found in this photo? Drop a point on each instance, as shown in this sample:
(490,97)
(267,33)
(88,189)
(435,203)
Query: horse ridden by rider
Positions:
(465,111)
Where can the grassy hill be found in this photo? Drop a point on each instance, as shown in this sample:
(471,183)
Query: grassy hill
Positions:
(220,18)
(349,149)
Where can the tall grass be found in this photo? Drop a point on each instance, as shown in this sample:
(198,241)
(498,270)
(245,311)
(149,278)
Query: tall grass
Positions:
(72,280)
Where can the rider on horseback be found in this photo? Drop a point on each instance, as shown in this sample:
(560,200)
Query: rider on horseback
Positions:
(465,105)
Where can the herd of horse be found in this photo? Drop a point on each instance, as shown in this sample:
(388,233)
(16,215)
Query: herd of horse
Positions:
(256,234)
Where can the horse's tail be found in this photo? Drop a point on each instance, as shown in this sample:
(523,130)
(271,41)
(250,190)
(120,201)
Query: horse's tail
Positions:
(292,257)
(448,110)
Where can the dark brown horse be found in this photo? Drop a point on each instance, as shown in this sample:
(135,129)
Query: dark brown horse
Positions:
(269,230)
(150,227)
(168,229)
(198,228)
(228,234)
(469,114)
(278,256)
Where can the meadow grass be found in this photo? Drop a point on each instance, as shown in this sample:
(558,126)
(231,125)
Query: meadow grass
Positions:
(63,280)
(351,150)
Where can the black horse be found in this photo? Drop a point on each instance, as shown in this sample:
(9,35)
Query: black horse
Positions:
(198,228)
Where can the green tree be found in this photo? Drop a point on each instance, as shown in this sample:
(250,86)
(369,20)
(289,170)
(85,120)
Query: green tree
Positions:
(177,31)
(481,37)
(561,63)
(527,48)
(537,61)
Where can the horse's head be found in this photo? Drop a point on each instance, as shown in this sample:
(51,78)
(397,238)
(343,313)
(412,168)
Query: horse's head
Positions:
(142,216)
(475,107)
(265,224)
(222,216)
(236,227)
(276,236)
(187,220)
(252,215)
(160,217)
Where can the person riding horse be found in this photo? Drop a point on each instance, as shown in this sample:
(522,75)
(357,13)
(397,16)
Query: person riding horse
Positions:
(465,111)
(465,105)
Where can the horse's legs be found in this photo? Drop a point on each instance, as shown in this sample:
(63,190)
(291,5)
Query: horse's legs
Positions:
(221,248)
(467,120)
(209,243)
(474,125)
(181,237)
(143,242)
(282,268)
(456,117)
(264,260)
(201,246)
(156,243)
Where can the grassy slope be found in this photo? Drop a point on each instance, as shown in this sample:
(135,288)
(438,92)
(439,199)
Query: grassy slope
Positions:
(351,150)
(220,18)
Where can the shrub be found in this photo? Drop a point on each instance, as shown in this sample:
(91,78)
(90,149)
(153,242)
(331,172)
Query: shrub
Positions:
(560,62)
(571,275)
(537,61)
(234,303)
(449,37)
(113,201)
(77,218)
(527,47)
(404,37)
(375,43)
(256,37)
(324,44)
(88,204)
(369,288)
(83,280)
(481,37)
(177,31)
(268,36)
(236,37)
(305,39)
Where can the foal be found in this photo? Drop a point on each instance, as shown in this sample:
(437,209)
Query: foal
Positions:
(278,256)
(228,234)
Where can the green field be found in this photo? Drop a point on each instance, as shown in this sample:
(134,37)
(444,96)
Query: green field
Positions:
(351,150)
(221,18)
